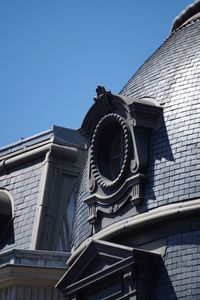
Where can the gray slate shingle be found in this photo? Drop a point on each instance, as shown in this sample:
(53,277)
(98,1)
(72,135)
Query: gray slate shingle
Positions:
(171,75)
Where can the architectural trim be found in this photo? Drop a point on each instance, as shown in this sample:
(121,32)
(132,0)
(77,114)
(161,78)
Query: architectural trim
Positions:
(107,270)
(40,206)
(191,12)
(35,268)
(155,216)
(60,161)
(26,275)
(13,160)
(9,199)
(131,190)
(95,143)
(117,177)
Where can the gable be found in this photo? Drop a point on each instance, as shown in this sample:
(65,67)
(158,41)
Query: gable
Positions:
(103,269)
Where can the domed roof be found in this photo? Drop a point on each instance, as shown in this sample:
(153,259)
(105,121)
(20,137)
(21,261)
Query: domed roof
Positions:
(172,77)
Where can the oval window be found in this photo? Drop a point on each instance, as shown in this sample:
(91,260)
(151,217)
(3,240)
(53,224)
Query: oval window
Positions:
(109,150)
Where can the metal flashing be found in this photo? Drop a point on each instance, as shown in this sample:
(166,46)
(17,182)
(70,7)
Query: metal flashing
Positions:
(191,12)
(24,143)
(57,135)
(154,216)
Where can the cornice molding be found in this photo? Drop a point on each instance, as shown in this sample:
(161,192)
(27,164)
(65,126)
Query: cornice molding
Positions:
(155,216)
(25,156)
(29,275)
(35,268)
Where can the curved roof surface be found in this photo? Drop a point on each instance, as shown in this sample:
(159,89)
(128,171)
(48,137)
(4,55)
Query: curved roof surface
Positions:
(171,76)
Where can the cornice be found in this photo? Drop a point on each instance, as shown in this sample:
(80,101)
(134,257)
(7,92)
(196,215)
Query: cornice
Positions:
(155,216)
(24,156)
(29,275)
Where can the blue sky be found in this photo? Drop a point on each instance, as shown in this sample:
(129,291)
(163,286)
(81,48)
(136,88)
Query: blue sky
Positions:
(53,54)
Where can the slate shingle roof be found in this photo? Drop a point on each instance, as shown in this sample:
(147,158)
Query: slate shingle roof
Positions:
(23,185)
(171,76)
(23,176)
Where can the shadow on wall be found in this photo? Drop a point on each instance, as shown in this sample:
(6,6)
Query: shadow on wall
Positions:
(159,148)
(180,269)
(7,234)
(162,286)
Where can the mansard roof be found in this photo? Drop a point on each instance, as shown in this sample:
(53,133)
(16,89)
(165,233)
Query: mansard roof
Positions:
(37,176)
(171,76)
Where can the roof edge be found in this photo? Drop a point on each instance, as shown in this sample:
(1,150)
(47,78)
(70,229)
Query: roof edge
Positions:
(57,135)
(190,13)
(22,157)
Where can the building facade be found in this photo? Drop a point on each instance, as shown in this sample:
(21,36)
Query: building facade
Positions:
(38,181)
(136,228)
(118,199)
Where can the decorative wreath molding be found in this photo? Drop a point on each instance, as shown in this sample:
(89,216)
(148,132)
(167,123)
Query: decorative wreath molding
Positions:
(96,139)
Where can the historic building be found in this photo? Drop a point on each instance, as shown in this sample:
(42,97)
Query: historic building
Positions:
(117,199)
(38,180)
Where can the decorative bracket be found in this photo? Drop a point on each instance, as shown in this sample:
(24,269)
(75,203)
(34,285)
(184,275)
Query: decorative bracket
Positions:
(131,191)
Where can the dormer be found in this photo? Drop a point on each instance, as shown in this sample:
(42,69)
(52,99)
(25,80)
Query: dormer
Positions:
(118,129)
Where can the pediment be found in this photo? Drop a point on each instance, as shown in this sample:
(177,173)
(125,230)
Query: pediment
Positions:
(104,265)
(97,256)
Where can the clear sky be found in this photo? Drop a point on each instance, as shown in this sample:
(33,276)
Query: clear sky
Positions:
(53,54)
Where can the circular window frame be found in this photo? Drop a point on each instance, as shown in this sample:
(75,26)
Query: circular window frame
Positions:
(101,180)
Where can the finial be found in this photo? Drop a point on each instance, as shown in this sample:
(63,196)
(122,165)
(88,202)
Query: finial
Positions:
(100,90)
